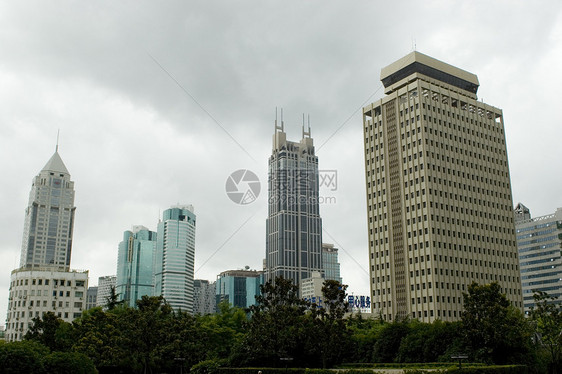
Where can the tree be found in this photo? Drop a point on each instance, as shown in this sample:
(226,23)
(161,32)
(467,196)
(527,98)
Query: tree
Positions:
(547,315)
(101,336)
(222,331)
(430,342)
(68,363)
(277,328)
(50,331)
(112,301)
(22,357)
(494,331)
(389,339)
(331,331)
(364,332)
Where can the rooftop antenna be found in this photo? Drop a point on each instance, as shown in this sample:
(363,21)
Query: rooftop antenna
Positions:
(413,44)
(277,127)
(305,133)
(57,146)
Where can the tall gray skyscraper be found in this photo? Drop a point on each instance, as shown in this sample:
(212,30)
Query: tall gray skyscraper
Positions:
(294,226)
(44,282)
(174,258)
(439,204)
(49,218)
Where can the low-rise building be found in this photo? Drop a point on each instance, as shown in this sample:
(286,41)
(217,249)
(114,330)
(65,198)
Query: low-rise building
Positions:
(105,284)
(204,301)
(35,292)
(239,287)
(91,297)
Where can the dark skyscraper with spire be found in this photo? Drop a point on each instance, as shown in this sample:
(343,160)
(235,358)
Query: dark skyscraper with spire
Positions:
(294,226)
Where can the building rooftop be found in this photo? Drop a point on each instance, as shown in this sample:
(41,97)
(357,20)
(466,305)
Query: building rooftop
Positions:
(417,62)
(241,273)
(55,164)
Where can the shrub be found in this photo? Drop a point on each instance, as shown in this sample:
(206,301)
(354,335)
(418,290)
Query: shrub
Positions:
(68,363)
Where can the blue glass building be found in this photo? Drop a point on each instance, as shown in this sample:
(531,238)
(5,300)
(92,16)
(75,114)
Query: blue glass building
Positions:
(135,265)
(239,287)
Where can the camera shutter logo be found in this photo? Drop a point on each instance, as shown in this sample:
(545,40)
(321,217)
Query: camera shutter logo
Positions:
(243,187)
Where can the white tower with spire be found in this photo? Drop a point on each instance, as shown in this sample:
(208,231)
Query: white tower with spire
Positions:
(44,282)
(49,218)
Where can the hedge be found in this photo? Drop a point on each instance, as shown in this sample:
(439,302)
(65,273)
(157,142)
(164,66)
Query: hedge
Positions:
(408,369)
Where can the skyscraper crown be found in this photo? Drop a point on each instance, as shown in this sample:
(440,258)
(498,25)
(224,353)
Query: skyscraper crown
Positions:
(55,164)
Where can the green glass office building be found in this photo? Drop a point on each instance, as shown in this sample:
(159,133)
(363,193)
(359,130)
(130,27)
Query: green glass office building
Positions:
(135,265)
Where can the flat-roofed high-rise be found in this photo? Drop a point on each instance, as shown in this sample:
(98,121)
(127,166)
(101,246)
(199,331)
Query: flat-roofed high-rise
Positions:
(438,192)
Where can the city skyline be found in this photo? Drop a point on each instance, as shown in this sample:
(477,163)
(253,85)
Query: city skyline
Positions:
(136,142)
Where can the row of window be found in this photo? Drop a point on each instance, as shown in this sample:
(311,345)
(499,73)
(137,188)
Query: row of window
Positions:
(46,282)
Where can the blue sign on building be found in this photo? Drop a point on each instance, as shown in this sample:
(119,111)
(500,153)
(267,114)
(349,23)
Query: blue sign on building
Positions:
(359,302)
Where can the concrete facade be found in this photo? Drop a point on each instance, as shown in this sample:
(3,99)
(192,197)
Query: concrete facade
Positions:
(204,299)
(35,292)
(439,204)
(105,283)
(44,281)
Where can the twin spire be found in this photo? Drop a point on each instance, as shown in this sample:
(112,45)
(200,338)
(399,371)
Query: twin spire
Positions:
(305,134)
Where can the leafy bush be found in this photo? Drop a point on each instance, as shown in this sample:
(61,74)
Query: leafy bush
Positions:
(68,363)
(207,367)
(507,369)
(22,357)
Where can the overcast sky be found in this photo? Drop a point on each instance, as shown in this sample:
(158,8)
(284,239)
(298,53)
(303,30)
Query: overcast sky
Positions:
(158,102)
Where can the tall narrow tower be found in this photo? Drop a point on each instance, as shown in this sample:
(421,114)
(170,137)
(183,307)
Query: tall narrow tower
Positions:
(44,281)
(438,192)
(49,218)
(174,258)
(294,226)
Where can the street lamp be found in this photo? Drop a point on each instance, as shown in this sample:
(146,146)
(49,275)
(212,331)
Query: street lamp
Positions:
(181,361)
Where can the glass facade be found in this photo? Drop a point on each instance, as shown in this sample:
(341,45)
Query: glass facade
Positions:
(174,258)
(330,262)
(135,265)
(539,241)
(239,287)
